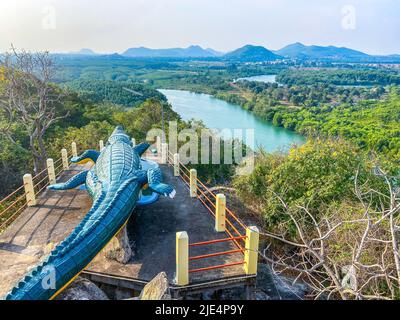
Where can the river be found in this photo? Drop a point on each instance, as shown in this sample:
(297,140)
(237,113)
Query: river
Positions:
(219,114)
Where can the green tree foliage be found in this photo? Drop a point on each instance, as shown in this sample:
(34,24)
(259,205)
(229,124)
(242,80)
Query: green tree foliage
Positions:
(86,137)
(318,175)
(13,161)
(339,77)
(138,121)
(88,122)
(333,112)
(212,173)
(117,92)
(260,94)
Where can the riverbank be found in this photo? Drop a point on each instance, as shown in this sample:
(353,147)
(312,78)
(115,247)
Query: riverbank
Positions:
(218,114)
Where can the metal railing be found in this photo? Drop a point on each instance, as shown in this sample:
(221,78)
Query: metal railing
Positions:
(241,235)
(208,198)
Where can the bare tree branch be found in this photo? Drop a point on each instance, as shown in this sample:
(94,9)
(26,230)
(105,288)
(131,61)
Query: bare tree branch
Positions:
(29,98)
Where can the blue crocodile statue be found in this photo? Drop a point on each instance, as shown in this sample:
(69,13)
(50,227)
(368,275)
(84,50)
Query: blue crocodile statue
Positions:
(114,183)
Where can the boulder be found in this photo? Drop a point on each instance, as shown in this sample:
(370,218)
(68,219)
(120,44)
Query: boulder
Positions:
(156,289)
(119,248)
(82,289)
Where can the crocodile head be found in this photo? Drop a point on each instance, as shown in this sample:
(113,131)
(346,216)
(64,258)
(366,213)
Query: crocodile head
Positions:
(119,135)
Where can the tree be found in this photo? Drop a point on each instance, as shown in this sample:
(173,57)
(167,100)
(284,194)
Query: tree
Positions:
(351,253)
(28,99)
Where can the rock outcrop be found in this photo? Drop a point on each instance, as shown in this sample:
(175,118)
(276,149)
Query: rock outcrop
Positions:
(156,289)
(82,289)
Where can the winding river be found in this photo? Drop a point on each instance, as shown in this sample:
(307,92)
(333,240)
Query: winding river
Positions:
(218,114)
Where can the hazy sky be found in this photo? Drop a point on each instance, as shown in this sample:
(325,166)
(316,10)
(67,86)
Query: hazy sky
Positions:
(115,25)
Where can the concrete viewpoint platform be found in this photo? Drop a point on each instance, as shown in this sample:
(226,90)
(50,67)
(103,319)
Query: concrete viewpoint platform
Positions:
(151,231)
(39,229)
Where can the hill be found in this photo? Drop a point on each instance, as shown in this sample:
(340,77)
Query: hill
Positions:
(85,51)
(251,53)
(300,51)
(192,51)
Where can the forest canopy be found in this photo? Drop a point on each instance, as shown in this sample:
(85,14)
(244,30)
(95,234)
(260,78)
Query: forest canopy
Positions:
(123,93)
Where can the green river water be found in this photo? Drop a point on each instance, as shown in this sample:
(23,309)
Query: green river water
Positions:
(219,114)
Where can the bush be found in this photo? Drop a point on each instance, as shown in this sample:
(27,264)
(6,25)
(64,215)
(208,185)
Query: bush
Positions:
(317,174)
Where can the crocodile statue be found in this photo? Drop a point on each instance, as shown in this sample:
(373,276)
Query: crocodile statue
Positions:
(114,183)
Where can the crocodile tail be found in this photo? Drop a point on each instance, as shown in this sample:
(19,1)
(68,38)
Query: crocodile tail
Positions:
(107,215)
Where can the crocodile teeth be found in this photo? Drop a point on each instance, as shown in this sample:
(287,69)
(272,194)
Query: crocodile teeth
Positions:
(172,194)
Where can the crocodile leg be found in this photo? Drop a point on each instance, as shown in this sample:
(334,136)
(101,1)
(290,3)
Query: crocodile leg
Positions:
(141,148)
(74,182)
(154,178)
(86,157)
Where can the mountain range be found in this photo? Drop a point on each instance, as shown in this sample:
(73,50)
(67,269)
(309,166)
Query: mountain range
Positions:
(300,51)
(251,53)
(192,51)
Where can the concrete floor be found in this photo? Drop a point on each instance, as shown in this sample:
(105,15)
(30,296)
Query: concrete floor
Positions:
(152,232)
(38,229)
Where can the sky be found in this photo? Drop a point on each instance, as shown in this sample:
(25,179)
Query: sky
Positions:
(109,26)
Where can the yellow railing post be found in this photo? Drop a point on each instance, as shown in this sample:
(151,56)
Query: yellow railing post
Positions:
(158,144)
(182,258)
(176,164)
(64,157)
(133,142)
(101,145)
(50,171)
(164,153)
(251,252)
(193,183)
(74,149)
(220,212)
(29,192)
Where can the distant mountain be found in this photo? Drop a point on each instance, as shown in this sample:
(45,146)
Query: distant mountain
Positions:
(251,53)
(300,51)
(85,51)
(192,51)
(248,53)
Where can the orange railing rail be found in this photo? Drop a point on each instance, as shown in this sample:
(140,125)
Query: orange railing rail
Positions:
(232,229)
(215,241)
(217,266)
(215,254)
